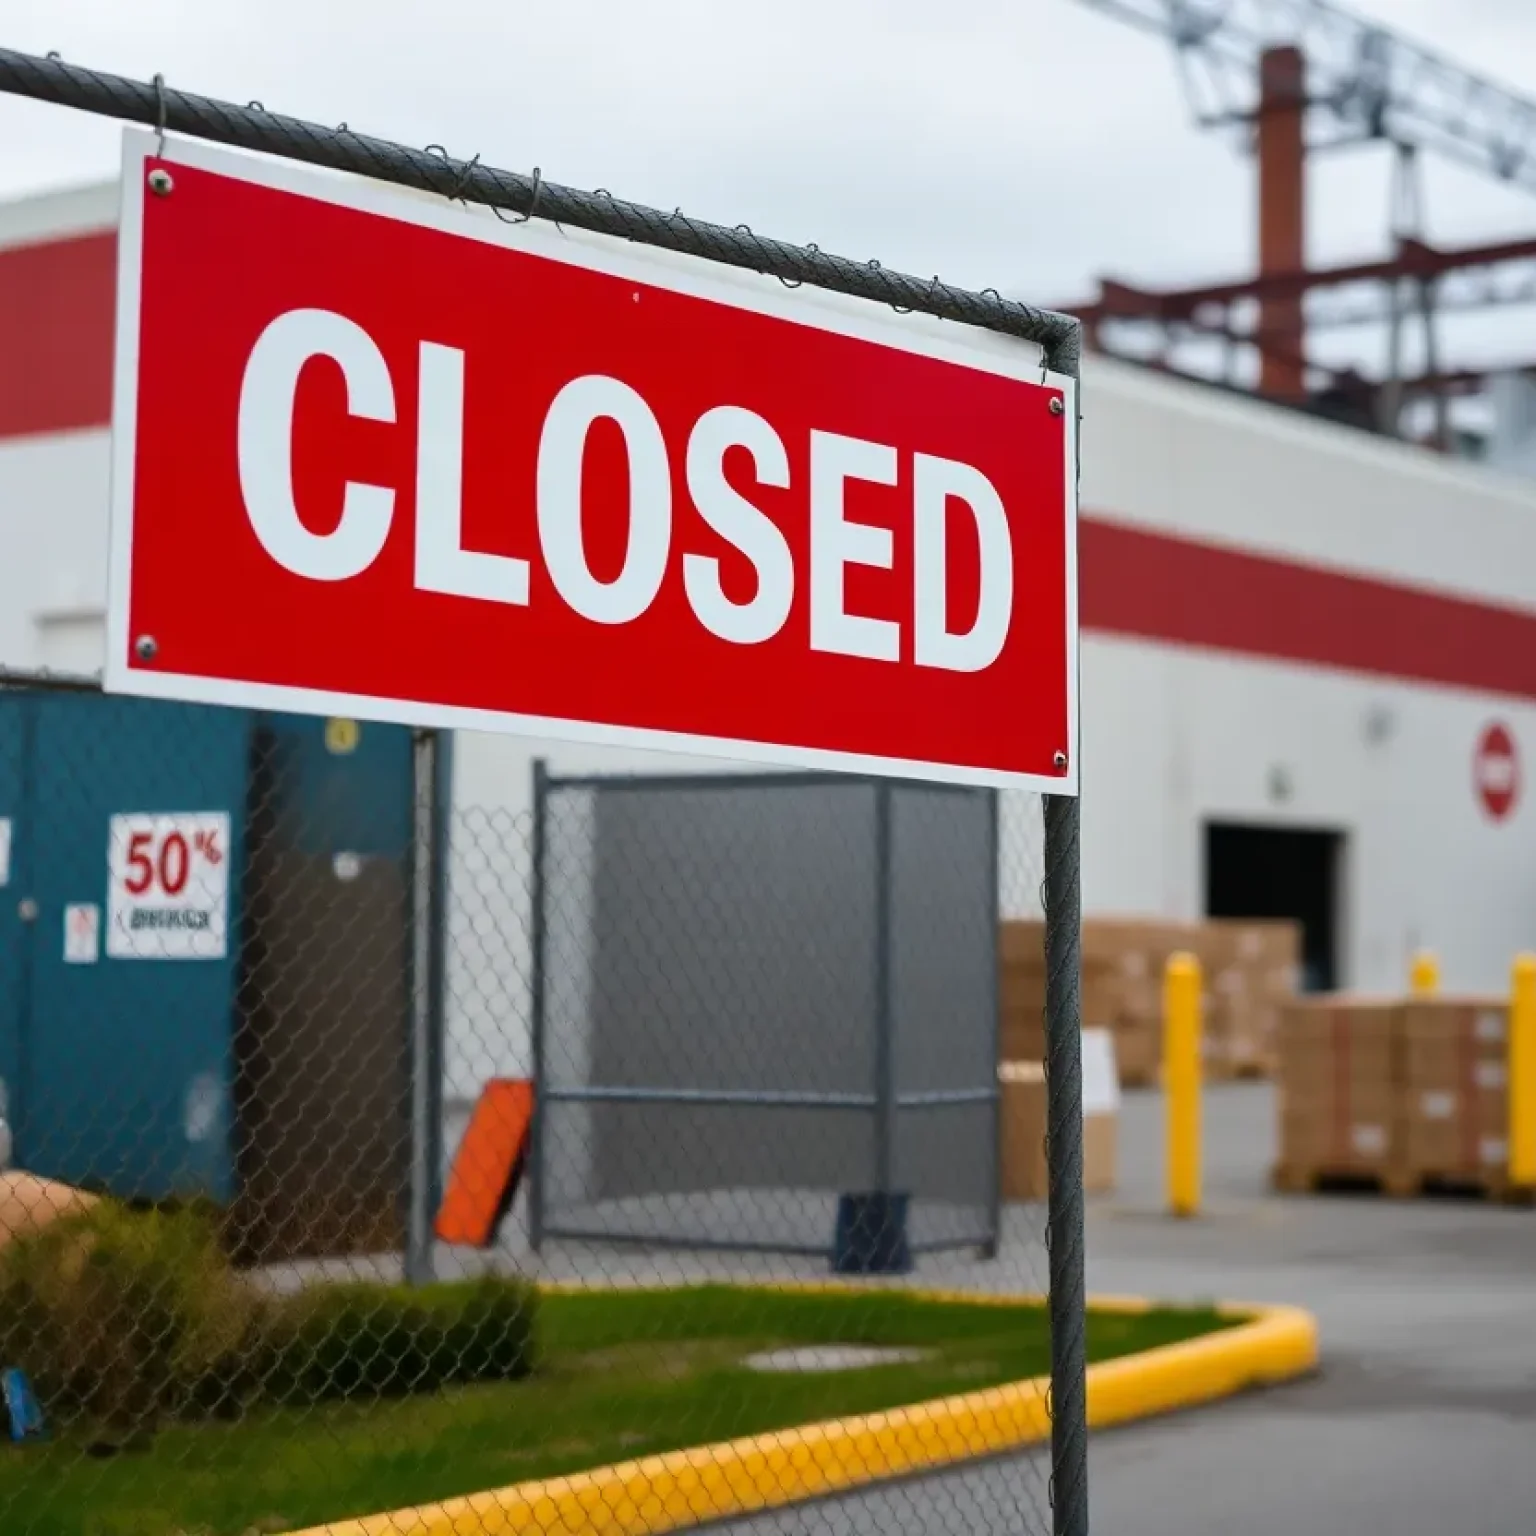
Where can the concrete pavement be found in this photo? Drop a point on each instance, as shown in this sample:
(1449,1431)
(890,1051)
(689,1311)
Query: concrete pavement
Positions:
(1422,1421)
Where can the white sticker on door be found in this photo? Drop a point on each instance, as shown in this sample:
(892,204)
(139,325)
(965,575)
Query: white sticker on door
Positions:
(82,933)
(168,886)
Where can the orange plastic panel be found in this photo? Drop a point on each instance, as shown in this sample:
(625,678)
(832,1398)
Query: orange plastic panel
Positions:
(488,1165)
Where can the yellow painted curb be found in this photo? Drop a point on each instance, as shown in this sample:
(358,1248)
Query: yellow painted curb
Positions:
(687,1488)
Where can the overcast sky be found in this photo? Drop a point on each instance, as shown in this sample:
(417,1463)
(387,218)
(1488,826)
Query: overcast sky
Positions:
(1030,145)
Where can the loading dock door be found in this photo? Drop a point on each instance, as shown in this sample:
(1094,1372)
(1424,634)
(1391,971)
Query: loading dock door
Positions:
(1290,872)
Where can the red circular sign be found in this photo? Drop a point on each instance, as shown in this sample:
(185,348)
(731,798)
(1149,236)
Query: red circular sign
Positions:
(1496,770)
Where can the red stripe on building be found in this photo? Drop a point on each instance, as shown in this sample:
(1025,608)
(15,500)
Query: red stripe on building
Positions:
(56,309)
(1160,587)
(56,314)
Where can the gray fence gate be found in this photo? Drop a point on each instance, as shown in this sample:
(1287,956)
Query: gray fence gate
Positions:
(756,994)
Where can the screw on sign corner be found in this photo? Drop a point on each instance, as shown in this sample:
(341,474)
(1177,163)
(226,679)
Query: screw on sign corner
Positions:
(160,183)
(1060,760)
(1058,405)
(1496,771)
(146,648)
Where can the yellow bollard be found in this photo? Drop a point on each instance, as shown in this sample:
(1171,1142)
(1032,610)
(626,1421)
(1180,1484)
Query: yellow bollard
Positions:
(1181,1082)
(1424,978)
(1522,1073)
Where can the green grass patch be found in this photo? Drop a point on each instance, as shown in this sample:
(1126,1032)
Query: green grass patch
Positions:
(619,1374)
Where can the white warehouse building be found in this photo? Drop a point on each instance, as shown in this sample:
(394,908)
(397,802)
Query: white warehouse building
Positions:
(1308,659)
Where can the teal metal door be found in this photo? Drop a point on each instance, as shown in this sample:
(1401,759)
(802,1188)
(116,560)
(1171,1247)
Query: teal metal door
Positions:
(14,910)
(128,1062)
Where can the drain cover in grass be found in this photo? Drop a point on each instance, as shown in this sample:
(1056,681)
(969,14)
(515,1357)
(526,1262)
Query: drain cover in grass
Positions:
(831,1357)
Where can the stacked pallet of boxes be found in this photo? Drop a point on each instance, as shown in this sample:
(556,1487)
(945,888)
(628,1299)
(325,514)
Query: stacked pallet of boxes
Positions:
(1250,974)
(1338,1099)
(1250,969)
(1406,1095)
(1456,1085)
(1021,1072)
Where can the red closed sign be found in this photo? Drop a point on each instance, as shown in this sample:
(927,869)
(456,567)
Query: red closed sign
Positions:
(384,458)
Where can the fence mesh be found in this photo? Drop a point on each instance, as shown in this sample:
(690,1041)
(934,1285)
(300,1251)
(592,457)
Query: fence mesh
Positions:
(273,1252)
(387,1130)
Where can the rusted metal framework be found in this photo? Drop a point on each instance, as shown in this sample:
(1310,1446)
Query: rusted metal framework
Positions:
(1299,77)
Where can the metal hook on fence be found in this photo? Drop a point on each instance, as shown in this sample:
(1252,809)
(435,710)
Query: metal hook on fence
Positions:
(456,192)
(160,115)
(812,249)
(463,180)
(538,188)
(533,206)
(440,152)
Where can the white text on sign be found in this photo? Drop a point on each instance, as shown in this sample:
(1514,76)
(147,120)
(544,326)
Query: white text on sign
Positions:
(443,564)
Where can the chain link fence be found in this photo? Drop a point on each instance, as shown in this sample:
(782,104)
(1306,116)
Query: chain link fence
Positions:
(392,1154)
(371,1149)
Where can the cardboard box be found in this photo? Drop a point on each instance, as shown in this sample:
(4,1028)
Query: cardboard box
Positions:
(1021,991)
(1022,1089)
(1021,1085)
(1254,945)
(1339,1101)
(1455,1085)
(1250,970)
(1138,949)
(1139,1051)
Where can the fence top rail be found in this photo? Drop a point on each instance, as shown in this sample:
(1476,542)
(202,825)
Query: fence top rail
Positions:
(726,780)
(17,679)
(154,104)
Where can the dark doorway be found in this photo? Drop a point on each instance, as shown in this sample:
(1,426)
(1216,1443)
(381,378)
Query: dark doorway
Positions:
(322,1087)
(1279,872)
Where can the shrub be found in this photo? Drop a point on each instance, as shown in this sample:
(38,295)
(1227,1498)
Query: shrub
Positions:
(361,1339)
(119,1315)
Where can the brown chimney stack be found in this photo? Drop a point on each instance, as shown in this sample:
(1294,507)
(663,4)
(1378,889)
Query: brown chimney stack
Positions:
(1281,138)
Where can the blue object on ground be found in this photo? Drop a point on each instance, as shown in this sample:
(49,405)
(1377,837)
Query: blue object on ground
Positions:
(21,1405)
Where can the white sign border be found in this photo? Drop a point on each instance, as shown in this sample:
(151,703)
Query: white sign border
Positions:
(923,335)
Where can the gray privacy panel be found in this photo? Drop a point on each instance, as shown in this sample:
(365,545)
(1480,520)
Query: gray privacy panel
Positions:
(943,939)
(733,950)
(734,937)
(723,936)
(943,958)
